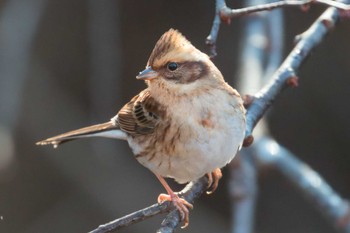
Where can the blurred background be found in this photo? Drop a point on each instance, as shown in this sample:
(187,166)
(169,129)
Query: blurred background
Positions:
(68,64)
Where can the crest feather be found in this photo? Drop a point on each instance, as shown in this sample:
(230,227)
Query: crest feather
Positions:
(170,40)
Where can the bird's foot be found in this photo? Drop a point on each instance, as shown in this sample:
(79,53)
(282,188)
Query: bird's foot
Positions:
(213,180)
(181,205)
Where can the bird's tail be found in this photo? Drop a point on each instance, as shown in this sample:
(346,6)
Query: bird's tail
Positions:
(108,129)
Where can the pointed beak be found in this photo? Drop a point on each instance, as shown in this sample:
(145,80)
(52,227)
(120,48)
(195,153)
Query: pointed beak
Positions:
(147,74)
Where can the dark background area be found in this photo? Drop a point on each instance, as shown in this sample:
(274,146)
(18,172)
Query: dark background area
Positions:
(68,64)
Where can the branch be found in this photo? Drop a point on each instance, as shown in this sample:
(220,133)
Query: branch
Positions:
(227,12)
(262,101)
(257,62)
(211,39)
(224,14)
(192,191)
(243,190)
(310,183)
(286,74)
(135,217)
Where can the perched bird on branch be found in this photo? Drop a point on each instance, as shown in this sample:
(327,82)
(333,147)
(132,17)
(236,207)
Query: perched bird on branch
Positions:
(187,123)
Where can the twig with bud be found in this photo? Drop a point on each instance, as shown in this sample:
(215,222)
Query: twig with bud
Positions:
(260,102)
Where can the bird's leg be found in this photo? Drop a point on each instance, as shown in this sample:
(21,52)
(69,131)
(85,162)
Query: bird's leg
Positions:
(213,180)
(181,204)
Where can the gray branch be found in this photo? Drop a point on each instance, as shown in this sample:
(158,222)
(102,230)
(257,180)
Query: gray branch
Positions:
(192,191)
(310,183)
(262,43)
(230,13)
(286,74)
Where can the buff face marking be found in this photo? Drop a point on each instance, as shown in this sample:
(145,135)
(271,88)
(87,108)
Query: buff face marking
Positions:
(188,122)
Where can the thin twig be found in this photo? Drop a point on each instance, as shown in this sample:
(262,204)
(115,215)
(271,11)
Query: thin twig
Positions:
(211,39)
(260,56)
(135,217)
(227,12)
(190,192)
(256,110)
(286,74)
(224,14)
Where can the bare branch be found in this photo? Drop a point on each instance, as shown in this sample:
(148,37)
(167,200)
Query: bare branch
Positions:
(286,74)
(224,14)
(211,39)
(132,218)
(227,12)
(243,190)
(192,191)
(311,184)
(260,56)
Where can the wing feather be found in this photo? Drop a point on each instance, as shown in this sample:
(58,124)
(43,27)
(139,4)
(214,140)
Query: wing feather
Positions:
(141,115)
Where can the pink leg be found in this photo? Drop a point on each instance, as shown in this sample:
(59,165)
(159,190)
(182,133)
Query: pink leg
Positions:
(181,204)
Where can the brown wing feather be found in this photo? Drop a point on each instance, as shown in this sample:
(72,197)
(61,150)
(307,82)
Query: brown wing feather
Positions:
(138,117)
(79,133)
(141,115)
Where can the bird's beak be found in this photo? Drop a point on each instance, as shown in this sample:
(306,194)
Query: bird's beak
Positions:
(147,74)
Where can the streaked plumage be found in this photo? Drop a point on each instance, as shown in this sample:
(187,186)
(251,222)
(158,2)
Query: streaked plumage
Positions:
(187,123)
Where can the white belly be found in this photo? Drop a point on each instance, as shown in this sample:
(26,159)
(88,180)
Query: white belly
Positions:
(208,140)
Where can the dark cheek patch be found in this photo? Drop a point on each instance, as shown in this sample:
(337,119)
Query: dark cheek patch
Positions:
(194,71)
(186,73)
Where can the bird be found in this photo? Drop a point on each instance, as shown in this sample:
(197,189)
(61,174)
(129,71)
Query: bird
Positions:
(188,122)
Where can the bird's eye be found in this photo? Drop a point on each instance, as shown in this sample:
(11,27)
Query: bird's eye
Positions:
(172,66)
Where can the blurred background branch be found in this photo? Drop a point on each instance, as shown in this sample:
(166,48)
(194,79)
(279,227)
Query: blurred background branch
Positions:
(243,189)
(63,61)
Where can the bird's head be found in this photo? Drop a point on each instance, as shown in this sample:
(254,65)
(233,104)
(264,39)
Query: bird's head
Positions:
(178,68)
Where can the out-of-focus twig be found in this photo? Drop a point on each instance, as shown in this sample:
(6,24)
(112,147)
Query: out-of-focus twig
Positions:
(243,190)
(262,43)
(312,185)
(285,75)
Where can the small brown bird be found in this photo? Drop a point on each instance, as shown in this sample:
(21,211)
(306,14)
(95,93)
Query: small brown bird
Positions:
(187,123)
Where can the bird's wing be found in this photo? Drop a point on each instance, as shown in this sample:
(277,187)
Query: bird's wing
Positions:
(138,117)
(108,129)
(141,115)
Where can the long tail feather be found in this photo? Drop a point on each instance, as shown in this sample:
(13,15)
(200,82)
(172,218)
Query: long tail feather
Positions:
(108,129)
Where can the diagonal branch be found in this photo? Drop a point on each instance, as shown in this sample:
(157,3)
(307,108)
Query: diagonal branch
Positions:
(286,74)
(135,217)
(192,191)
(336,209)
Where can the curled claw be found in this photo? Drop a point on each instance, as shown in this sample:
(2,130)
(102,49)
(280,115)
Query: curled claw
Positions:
(181,205)
(213,180)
